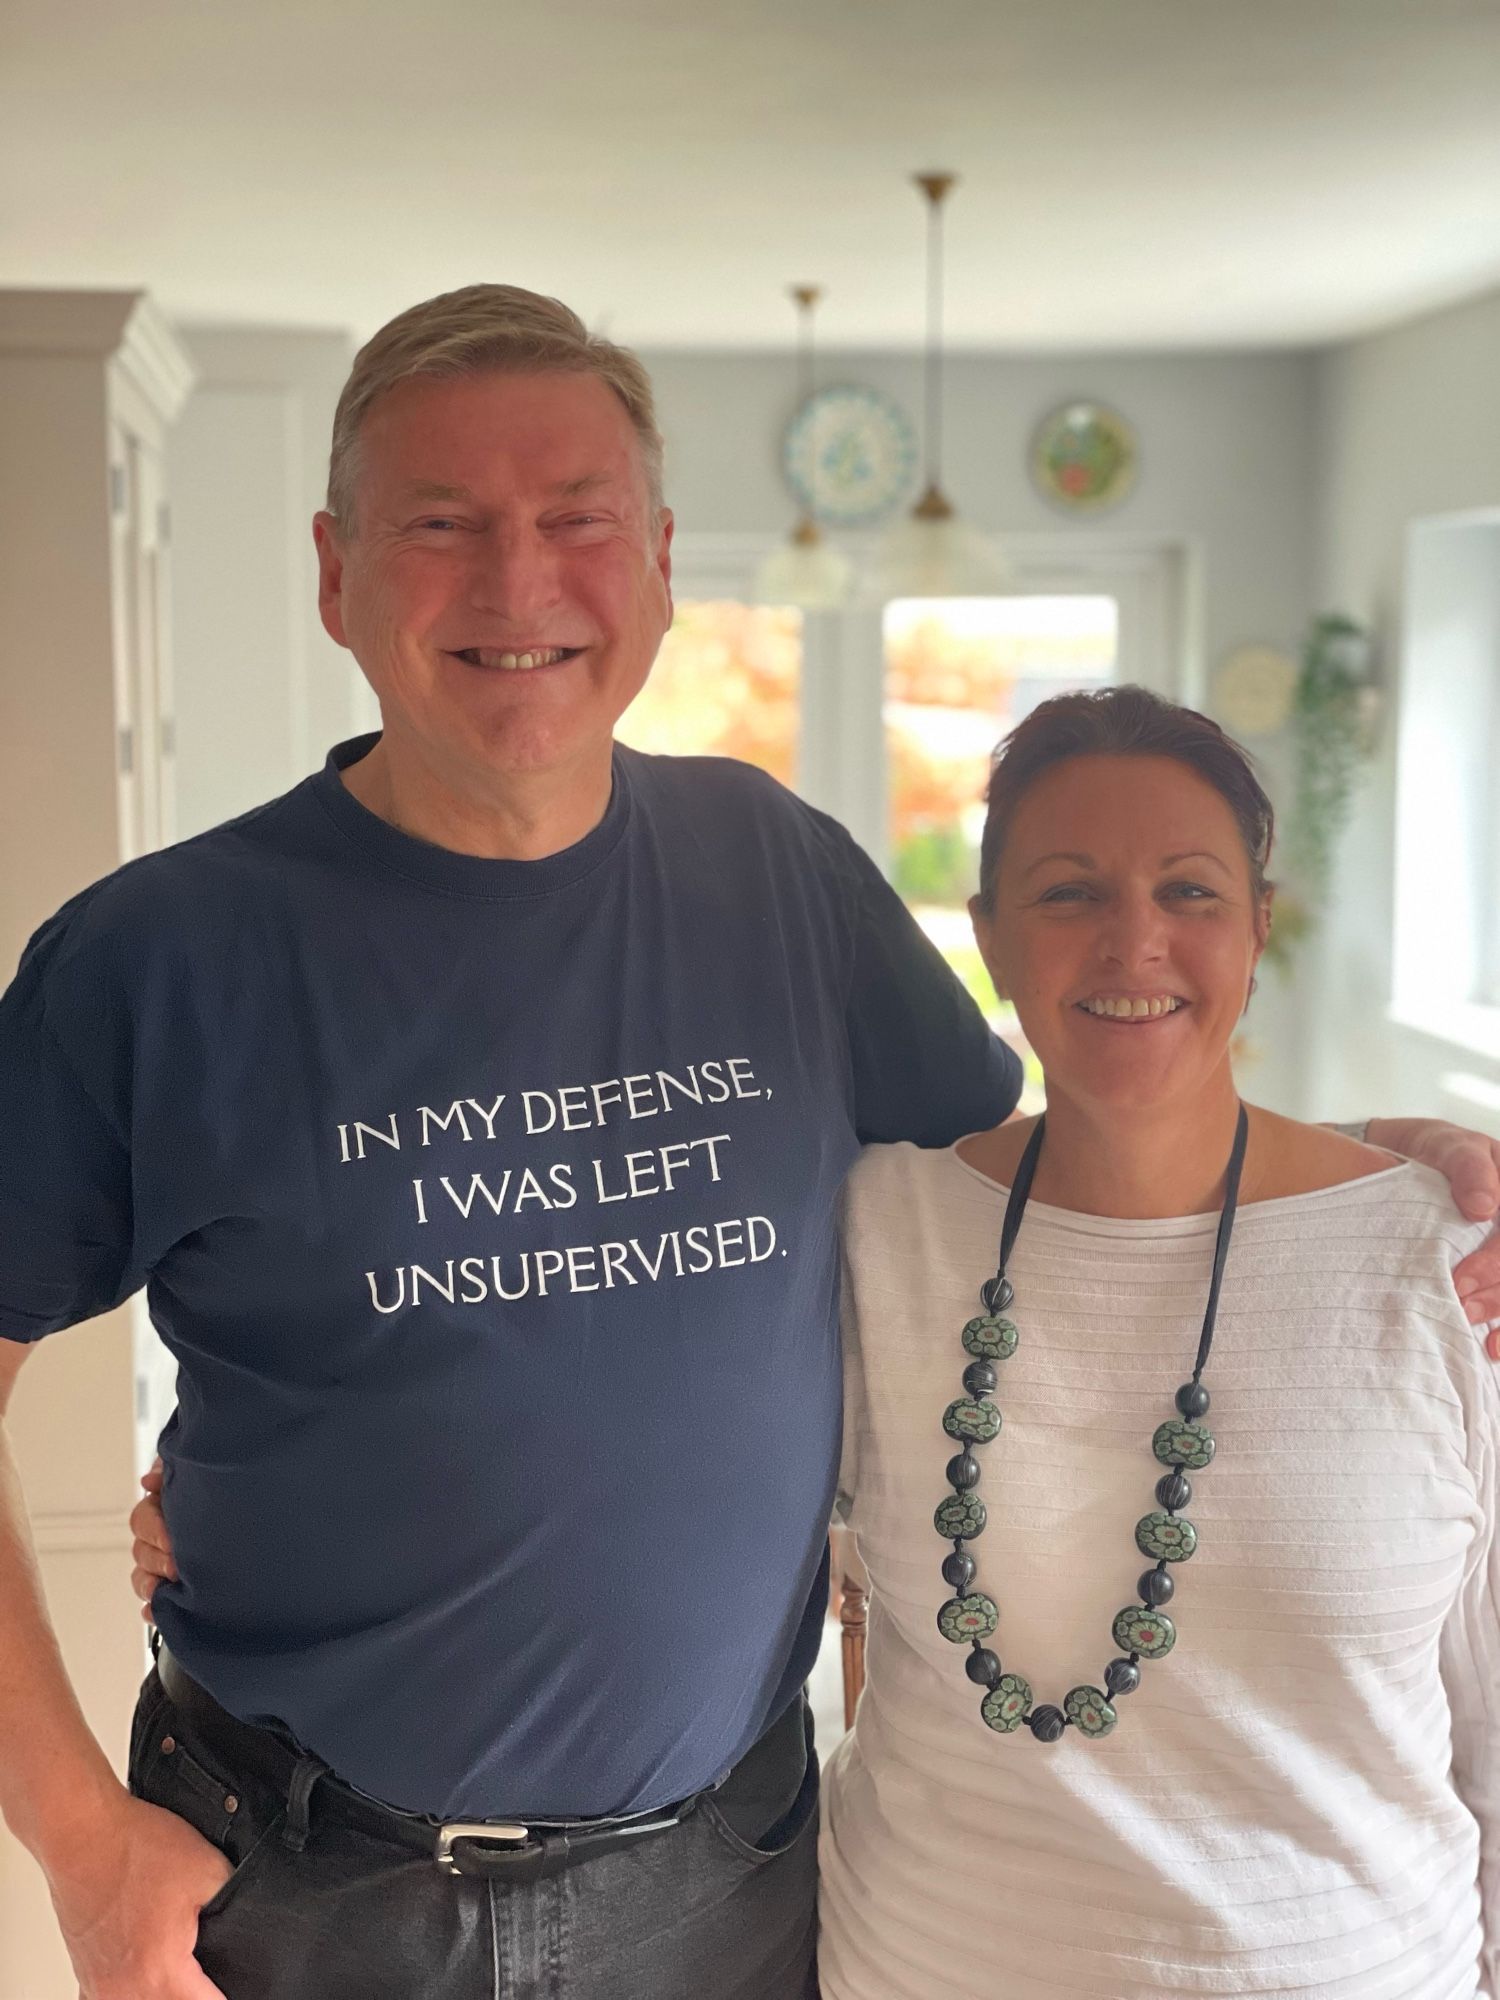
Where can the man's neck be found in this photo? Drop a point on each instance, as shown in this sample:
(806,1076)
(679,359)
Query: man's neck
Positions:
(1140,1163)
(499,817)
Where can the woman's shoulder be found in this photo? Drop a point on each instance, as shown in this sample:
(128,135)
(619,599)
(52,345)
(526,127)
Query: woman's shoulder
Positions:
(884,1172)
(1289,1158)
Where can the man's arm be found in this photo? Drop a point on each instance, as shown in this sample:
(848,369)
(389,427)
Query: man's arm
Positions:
(1470,1163)
(127,1880)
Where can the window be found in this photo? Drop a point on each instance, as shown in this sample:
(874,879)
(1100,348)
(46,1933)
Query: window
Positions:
(1447,944)
(959,673)
(726,684)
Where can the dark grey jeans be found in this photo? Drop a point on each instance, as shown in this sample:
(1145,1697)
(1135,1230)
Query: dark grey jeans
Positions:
(721,1907)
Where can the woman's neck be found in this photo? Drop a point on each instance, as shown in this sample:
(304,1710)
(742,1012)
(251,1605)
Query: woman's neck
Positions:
(1138,1164)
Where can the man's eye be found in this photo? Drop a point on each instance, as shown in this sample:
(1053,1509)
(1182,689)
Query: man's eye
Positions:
(438,522)
(1066,892)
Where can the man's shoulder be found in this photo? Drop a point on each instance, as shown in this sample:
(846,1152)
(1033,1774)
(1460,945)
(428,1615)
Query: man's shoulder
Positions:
(193,885)
(727,794)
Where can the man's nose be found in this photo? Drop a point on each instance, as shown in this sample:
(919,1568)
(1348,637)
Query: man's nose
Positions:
(515,577)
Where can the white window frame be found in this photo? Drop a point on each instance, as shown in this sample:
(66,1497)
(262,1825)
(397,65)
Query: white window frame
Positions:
(841,751)
(1446,958)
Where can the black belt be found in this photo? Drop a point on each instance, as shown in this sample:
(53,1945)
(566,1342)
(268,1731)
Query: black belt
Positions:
(504,1850)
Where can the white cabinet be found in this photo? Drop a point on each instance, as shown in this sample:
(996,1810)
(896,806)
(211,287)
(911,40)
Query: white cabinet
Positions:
(89,383)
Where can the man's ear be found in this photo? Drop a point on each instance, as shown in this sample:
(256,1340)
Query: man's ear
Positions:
(665,525)
(330,576)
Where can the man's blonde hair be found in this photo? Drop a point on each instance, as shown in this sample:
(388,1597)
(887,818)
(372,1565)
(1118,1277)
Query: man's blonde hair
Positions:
(479,330)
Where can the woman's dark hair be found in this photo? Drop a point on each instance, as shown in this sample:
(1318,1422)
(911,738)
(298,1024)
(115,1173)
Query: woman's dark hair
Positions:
(1122,722)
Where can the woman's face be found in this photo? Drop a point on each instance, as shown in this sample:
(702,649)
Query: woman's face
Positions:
(1124,928)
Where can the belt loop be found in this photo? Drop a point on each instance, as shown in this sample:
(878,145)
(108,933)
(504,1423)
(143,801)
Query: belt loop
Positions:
(299,1802)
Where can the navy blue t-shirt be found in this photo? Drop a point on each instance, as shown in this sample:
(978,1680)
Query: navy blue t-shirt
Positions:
(488,1210)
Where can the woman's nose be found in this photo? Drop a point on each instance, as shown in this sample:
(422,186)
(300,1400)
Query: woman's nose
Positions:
(1133,933)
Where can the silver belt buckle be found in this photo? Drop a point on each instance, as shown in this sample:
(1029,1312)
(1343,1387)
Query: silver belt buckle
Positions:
(460,1829)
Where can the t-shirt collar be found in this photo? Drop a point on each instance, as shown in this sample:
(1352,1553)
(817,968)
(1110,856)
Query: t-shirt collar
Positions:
(453,874)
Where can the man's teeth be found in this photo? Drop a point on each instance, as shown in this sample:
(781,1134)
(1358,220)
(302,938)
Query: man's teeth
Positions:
(514,663)
(1132,1010)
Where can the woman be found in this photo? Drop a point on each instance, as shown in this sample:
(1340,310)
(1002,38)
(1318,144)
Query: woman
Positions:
(1279,1777)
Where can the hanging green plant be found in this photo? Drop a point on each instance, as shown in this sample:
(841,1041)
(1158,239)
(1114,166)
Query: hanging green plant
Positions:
(1330,739)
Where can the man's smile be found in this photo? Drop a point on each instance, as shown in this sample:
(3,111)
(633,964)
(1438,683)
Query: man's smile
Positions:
(525,661)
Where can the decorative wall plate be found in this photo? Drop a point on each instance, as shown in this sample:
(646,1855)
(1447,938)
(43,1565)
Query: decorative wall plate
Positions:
(1083,457)
(1254,690)
(850,455)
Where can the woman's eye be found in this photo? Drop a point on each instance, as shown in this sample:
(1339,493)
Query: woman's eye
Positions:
(1190,892)
(1066,892)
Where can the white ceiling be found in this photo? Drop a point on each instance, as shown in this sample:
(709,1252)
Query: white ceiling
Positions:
(1138,173)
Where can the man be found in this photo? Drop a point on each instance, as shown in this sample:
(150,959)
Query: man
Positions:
(474,1115)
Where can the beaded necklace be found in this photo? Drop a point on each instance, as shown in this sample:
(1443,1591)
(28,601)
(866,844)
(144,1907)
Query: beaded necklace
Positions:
(1141,1631)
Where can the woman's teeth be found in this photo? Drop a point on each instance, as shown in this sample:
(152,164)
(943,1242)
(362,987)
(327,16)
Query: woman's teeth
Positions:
(1131,1010)
(515,663)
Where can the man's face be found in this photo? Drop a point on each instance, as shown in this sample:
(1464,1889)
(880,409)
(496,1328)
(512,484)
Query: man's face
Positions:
(501,518)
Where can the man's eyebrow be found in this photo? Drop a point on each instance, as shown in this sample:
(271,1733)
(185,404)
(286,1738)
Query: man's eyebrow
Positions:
(588,482)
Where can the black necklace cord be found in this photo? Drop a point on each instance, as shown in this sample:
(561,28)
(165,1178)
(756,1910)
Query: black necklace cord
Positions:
(1221,1244)
(1020,1194)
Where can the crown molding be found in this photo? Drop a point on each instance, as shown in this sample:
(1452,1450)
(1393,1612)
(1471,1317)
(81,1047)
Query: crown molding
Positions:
(125,328)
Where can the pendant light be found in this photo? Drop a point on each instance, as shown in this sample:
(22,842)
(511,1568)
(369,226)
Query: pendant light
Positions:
(932,552)
(804,571)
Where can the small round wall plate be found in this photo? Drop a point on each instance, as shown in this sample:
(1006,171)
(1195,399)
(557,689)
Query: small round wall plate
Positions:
(1254,690)
(1083,457)
(850,456)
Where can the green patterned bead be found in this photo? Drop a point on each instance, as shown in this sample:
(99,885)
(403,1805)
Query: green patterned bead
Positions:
(964,1618)
(1166,1536)
(991,1337)
(1089,1712)
(1180,1441)
(1007,1704)
(960,1517)
(976,1422)
(1138,1629)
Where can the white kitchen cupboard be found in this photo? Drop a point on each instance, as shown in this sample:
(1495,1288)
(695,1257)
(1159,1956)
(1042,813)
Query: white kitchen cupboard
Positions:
(89,384)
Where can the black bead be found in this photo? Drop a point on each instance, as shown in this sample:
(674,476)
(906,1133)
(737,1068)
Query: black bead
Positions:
(1121,1677)
(1173,1491)
(1156,1587)
(1192,1399)
(1047,1723)
(980,1378)
(982,1667)
(997,1293)
(963,1471)
(958,1570)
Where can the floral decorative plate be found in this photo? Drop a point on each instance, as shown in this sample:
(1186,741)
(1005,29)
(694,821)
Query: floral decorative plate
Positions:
(1083,457)
(850,455)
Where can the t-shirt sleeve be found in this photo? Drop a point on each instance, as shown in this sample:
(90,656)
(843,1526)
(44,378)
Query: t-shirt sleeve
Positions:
(65,1185)
(926,1066)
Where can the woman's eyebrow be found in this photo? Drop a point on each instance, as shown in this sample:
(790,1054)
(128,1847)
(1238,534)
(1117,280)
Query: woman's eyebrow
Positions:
(1079,860)
(1196,854)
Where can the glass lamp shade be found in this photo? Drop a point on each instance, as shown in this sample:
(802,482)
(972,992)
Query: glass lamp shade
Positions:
(805,572)
(931,552)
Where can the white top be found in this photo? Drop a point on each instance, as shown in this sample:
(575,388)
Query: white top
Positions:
(1302,1798)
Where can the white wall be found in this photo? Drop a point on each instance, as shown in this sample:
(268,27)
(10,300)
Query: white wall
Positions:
(262,691)
(1226,474)
(1408,426)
